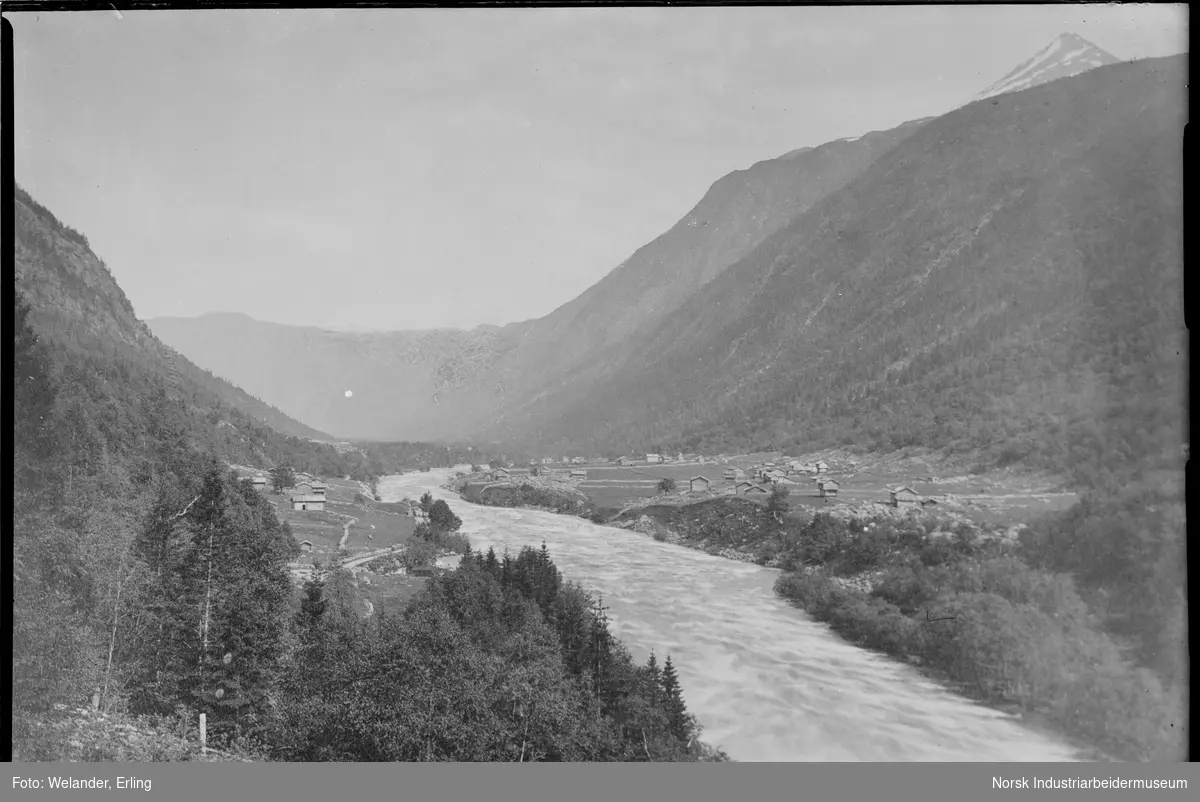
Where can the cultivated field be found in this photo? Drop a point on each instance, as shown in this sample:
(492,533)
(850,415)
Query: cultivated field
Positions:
(998,497)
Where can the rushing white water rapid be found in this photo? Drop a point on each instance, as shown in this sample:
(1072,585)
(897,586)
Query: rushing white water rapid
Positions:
(766,681)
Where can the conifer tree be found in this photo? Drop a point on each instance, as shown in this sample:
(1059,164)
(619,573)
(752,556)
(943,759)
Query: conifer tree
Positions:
(677,714)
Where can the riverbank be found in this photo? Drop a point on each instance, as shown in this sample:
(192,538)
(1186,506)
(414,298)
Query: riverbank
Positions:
(856,582)
(778,691)
(955,600)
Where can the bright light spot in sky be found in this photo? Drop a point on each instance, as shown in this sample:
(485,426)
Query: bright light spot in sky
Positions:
(349,393)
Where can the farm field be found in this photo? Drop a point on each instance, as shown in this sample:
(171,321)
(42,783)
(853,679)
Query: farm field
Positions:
(995,498)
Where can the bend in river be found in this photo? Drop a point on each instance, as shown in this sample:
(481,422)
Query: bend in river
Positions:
(766,681)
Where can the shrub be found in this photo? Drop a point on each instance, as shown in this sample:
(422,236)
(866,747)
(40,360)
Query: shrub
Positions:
(420,553)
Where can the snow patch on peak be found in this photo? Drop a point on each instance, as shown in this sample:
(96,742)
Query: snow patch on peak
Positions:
(1068,55)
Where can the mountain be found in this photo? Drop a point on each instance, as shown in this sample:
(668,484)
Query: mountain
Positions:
(1004,283)
(1068,55)
(404,385)
(422,384)
(110,365)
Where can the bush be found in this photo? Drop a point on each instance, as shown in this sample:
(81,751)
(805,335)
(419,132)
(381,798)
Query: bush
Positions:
(420,553)
(1005,633)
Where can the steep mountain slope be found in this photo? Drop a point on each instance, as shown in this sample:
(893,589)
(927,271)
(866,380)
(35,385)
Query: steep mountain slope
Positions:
(441,383)
(1068,55)
(119,369)
(1005,282)
(737,213)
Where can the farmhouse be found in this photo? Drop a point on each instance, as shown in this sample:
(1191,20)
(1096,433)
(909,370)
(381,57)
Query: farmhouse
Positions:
(828,488)
(308,503)
(318,488)
(302,489)
(905,498)
(578,473)
(653,458)
(699,484)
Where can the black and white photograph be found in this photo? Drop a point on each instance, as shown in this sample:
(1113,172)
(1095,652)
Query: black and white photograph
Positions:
(594,384)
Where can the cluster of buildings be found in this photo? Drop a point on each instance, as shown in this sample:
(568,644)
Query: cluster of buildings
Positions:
(663,459)
(513,474)
(306,495)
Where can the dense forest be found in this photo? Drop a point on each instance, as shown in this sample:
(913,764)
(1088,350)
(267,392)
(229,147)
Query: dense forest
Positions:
(519,664)
(147,574)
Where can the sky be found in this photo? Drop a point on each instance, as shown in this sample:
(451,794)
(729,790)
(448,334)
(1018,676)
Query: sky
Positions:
(424,168)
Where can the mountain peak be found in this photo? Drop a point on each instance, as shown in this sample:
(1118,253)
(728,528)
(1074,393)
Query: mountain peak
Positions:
(1069,54)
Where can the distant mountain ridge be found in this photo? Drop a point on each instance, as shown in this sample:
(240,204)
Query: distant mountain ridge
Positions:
(420,384)
(1068,55)
(76,302)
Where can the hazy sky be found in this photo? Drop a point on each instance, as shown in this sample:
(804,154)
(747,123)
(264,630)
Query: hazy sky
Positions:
(420,168)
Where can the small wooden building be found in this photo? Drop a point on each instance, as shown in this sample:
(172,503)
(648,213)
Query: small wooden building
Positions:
(308,503)
(318,488)
(625,461)
(306,546)
(750,489)
(905,498)
(259,482)
(699,484)
(302,489)
(654,458)
(579,473)
(828,488)
(821,466)
(500,475)
(733,474)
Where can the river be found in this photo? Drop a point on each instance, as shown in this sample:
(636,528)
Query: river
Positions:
(766,681)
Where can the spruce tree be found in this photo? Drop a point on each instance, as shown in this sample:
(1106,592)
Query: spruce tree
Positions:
(677,714)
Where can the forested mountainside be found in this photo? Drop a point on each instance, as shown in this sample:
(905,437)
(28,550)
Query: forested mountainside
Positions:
(1005,283)
(113,370)
(442,383)
(148,577)
(76,302)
